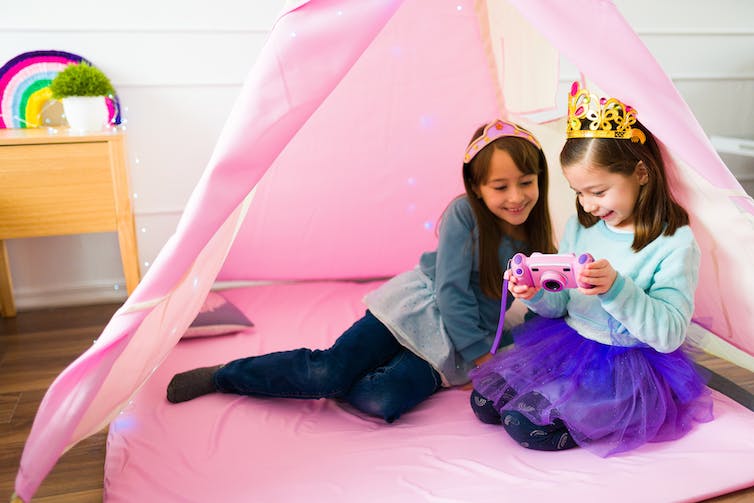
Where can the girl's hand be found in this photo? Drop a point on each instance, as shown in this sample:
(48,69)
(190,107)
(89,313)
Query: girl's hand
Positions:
(520,291)
(600,274)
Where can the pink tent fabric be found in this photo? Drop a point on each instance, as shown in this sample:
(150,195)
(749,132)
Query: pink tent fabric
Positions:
(345,151)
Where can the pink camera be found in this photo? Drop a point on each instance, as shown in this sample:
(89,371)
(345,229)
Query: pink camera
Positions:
(549,271)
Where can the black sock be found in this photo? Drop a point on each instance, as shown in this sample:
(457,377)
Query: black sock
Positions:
(192,384)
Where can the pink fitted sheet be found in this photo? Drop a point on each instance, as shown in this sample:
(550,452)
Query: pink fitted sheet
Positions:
(236,449)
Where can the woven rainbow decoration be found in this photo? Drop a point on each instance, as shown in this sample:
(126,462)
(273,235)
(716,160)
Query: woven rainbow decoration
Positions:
(25,87)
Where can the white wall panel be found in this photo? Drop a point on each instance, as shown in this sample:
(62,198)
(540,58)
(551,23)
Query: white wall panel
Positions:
(140,15)
(153,231)
(724,107)
(704,57)
(694,16)
(66,270)
(151,59)
(171,134)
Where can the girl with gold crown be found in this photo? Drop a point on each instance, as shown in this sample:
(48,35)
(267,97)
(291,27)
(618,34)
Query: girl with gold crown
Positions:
(425,328)
(601,366)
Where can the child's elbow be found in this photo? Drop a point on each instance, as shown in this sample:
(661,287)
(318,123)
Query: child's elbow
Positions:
(667,348)
(671,340)
(671,330)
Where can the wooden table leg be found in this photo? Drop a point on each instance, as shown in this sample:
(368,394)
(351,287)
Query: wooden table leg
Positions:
(124,218)
(7,305)
(129,255)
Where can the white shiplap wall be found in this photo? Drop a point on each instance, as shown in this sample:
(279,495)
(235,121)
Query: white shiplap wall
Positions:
(707,48)
(178,66)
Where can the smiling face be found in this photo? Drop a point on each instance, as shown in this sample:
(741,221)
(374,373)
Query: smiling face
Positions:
(507,192)
(609,196)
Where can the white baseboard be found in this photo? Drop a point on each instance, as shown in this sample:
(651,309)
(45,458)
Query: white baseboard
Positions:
(94,292)
(709,342)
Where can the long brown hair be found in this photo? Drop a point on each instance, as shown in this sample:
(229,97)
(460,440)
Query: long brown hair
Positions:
(538,229)
(656,211)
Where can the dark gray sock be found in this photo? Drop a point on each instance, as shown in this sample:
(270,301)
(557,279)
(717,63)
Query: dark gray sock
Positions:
(192,384)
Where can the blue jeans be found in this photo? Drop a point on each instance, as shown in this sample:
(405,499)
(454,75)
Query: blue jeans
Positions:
(367,367)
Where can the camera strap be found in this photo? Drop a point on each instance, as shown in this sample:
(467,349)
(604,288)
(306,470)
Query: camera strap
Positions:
(503,306)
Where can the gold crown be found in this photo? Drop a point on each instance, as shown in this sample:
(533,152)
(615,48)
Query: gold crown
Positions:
(592,117)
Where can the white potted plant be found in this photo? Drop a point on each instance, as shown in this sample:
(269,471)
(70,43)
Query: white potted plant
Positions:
(82,88)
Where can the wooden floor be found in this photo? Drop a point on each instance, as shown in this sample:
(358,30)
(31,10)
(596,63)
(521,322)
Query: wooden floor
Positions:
(34,348)
(37,345)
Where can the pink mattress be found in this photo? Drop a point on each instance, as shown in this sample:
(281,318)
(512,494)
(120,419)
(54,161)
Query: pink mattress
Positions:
(236,449)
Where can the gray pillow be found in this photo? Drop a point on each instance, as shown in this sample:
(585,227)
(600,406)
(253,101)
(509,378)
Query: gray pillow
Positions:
(217,317)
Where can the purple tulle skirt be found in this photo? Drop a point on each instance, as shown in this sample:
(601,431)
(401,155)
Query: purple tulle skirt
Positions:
(611,398)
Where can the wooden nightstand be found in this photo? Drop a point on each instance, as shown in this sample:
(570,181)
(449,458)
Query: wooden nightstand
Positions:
(64,183)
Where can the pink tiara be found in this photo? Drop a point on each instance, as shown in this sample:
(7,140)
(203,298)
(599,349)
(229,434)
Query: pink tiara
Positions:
(495,130)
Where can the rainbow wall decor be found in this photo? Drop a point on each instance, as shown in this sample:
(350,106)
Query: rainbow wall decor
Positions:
(25,87)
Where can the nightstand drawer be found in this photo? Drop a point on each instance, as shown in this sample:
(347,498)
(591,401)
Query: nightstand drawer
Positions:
(54,189)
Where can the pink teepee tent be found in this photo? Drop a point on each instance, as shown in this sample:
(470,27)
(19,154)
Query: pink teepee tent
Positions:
(337,160)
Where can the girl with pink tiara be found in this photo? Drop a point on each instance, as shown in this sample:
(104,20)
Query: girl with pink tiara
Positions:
(601,367)
(425,328)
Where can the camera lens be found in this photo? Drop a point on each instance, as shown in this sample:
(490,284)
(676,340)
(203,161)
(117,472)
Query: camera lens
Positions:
(553,281)
(552,286)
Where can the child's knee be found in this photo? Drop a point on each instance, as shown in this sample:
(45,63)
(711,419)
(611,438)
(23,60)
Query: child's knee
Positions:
(326,371)
(395,388)
(483,408)
(378,403)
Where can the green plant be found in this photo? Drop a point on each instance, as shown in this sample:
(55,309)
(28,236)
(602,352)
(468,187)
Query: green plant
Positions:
(81,80)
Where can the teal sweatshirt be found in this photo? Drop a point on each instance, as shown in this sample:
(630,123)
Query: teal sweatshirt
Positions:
(652,299)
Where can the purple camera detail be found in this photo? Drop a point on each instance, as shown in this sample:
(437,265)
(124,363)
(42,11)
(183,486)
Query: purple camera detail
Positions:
(552,272)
